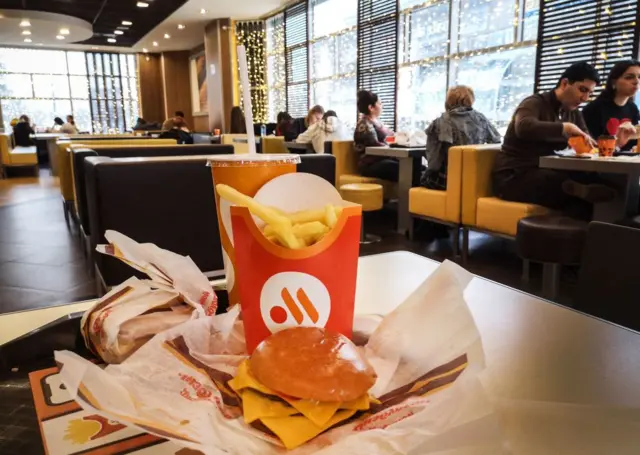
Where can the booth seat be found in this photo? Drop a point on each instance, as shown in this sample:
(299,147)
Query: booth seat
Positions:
(239,142)
(16,156)
(481,209)
(347,168)
(274,144)
(64,160)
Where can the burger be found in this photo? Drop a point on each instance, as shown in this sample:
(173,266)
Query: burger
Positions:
(302,381)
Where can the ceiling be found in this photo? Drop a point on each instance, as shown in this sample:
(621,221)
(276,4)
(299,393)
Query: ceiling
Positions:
(148,24)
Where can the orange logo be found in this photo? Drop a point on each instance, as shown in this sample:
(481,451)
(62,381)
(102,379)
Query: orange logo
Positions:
(280,309)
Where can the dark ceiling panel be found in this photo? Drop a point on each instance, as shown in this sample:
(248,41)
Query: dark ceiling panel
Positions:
(106,16)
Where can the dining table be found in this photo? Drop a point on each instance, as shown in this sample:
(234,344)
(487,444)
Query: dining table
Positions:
(406,157)
(621,172)
(559,381)
(298,147)
(50,146)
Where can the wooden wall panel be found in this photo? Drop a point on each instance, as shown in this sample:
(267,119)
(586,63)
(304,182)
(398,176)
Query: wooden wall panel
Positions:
(151,89)
(201,123)
(217,44)
(176,84)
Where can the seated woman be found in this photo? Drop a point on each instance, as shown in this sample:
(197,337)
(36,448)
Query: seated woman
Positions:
(238,125)
(616,102)
(459,125)
(370,132)
(69,127)
(330,128)
(22,132)
(300,125)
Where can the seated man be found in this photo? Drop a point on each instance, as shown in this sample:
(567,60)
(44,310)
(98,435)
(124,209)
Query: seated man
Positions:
(540,126)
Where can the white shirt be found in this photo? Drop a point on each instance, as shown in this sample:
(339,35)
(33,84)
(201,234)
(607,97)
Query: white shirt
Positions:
(331,129)
(68,128)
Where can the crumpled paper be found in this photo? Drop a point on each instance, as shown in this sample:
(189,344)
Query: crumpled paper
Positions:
(427,354)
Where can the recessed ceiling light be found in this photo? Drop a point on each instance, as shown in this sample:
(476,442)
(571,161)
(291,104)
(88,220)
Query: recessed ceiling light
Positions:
(64,31)
(60,37)
(26,32)
(203,11)
(27,40)
(167,36)
(119,32)
(127,23)
(111,40)
(25,23)
(181,27)
(142,4)
(145,50)
(155,44)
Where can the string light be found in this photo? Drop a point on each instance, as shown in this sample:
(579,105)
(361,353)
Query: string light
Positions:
(252,36)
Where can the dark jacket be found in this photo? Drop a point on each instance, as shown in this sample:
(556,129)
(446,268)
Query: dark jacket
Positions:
(369,133)
(535,131)
(598,113)
(21,133)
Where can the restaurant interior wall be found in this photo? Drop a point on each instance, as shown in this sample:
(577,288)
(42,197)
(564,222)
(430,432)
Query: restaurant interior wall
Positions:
(487,44)
(177,92)
(151,92)
(218,43)
(44,84)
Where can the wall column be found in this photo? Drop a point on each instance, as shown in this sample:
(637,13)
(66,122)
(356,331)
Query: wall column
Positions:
(217,45)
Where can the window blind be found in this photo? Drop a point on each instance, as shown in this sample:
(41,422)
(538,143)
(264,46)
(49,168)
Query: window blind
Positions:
(297,58)
(602,32)
(378,53)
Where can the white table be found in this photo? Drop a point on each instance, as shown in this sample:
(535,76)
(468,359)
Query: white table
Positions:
(537,354)
(623,172)
(405,157)
(52,150)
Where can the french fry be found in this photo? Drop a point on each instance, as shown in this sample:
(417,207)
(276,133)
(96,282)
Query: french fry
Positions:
(330,215)
(306,216)
(310,232)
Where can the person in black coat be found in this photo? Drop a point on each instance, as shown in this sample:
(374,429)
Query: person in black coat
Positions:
(22,132)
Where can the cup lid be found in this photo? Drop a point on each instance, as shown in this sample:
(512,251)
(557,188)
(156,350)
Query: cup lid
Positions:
(253,158)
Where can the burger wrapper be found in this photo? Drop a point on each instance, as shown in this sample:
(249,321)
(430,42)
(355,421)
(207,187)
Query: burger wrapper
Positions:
(427,354)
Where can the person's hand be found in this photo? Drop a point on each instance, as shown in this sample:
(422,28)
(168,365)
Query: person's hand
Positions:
(572,130)
(625,133)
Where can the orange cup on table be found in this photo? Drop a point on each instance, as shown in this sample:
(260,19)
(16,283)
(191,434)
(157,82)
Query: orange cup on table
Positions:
(606,145)
(580,145)
(390,139)
(246,173)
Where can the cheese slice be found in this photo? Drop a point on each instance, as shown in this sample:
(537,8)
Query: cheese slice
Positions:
(318,412)
(359,404)
(256,406)
(245,380)
(296,430)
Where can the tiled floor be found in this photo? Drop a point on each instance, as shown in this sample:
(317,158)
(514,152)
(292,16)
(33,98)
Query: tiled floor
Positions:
(41,263)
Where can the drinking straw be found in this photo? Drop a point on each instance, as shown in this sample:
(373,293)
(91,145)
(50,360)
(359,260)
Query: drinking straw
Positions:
(246,95)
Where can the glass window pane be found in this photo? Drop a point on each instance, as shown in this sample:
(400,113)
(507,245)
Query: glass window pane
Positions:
(101,92)
(338,95)
(275,34)
(298,69)
(41,112)
(500,81)
(15,85)
(108,88)
(347,52)
(77,63)
(485,23)
(429,32)
(133,88)
(323,57)
(531,17)
(123,64)
(82,114)
(50,86)
(98,63)
(421,94)
(131,65)
(275,69)
(330,16)
(79,86)
(277,102)
(106,63)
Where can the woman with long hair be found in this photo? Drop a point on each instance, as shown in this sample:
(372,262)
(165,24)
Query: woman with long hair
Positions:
(616,102)
(326,130)
(69,127)
(300,125)
(238,125)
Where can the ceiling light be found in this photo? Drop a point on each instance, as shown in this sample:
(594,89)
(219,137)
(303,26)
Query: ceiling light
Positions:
(60,37)
(25,23)
(167,36)
(155,44)
(203,11)
(181,27)
(26,32)
(128,23)
(27,40)
(64,31)
(119,32)
(142,4)
(145,50)
(111,40)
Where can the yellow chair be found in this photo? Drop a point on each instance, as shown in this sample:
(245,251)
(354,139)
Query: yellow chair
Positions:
(274,144)
(16,156)
(443,207)
(347,169)
(481,210)
(239,142)
(370,196)
(65,172)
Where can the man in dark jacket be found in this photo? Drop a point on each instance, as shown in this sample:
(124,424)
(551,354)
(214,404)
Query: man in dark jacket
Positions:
(22,132)
(541,125)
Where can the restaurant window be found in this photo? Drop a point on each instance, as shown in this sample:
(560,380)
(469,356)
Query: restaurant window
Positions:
(44,84)
(486,44)
(276,72)
(296,58)
(333,49)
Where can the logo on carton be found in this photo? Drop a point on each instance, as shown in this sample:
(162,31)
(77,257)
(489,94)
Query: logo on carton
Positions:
(292,299)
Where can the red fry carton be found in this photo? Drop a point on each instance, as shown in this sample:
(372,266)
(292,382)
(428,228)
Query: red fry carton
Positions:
(281,287)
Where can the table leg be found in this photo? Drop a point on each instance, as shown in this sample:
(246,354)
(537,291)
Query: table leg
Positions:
(405,181)
(52,149)
(625,205)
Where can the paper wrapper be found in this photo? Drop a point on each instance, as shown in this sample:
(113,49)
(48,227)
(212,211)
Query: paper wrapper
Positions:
(427,354)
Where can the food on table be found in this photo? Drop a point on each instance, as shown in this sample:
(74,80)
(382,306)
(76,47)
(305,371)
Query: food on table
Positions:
(302,381)
(606,145)
(291,230)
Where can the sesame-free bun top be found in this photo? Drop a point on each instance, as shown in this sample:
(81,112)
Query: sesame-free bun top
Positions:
(312,363)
